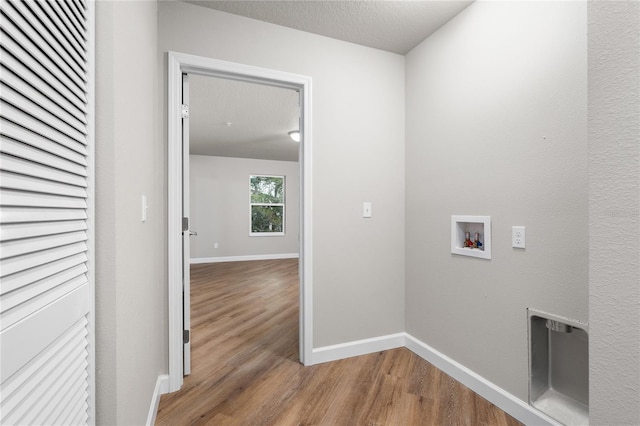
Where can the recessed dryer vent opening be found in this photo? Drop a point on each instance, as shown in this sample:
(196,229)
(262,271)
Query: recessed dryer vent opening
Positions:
(559,367)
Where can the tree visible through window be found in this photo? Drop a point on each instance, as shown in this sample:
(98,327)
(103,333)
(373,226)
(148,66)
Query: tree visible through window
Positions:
(267,205)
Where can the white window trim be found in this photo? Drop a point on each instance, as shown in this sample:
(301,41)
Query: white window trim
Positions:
(283,205)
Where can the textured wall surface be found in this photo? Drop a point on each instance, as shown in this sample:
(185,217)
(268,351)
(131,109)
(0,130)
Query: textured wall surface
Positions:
(220,206)
(131,344)
(614,212)
(496,105)
(358,155)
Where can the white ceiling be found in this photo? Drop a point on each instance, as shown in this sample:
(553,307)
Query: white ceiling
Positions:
(261,116)
(229,118)
(395,26)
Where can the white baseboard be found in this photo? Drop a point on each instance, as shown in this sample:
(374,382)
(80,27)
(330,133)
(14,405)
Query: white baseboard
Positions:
(195,260)
(483,387)
(356,348)
(162,387)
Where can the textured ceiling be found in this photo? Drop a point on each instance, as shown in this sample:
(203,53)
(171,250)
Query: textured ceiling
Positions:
(229,118)
(395,26)
(261,116)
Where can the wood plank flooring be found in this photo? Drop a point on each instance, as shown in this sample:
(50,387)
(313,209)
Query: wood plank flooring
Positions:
(245,368)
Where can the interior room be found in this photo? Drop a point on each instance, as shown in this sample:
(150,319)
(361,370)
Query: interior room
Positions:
(494,99)
(516,121)
(237,130)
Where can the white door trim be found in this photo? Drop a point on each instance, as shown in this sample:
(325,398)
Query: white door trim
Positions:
(186,234)
(179,63)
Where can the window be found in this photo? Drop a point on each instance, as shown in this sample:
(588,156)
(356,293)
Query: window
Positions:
(267,205)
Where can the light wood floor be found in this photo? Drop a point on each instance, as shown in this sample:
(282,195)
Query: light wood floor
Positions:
(245,368)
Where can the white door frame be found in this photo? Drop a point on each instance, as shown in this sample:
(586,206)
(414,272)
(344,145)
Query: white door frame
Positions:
(179,63)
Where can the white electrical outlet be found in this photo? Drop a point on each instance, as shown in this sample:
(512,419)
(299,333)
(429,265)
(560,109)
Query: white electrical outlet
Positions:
(215,245)
(518,237)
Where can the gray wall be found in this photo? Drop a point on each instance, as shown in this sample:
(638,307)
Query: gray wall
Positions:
(131,341)
(220,206)
(359,114)
(358,155)
(497,125)
(614,212)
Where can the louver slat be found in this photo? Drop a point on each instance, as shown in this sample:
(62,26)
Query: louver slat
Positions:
(43,327)
(55,389)
(82,10)
(44,271)
(45,282)
(31,245)
(31,184)
(28,152)
(26,172)
(79,12)
(55,378)
(71,16)
(11,113)
(15,53)
(27,199)
(39,369)
(14,384)
(48,291)
(48,59)
(13,265)
(72,413)
(55,32)
(40,171)
(15,133)
(48,38)
(73,27)
(49,118)
(39,81)
(10,215)
(11,79)
(27,230)
(41,292)
(74,38)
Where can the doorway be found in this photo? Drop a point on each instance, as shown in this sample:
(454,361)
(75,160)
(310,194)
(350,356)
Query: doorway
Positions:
(179,64)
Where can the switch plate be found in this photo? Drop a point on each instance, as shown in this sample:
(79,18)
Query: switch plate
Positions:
(144,208)
(215,245)
(366,209)
(518,237)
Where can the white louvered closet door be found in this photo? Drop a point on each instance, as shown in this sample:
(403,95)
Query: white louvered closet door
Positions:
(46,290)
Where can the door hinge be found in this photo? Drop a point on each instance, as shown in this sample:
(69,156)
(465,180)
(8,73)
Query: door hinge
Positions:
(184,111)
(185,336)
(185,224)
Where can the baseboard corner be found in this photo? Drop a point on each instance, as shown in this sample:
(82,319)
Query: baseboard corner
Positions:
(162,387)
(357,348)
(502,399)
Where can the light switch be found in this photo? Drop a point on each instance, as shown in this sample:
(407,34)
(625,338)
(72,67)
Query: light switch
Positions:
(366,209)
(144,208)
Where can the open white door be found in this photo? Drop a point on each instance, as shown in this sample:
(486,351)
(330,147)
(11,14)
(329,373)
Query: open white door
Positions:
(179,64)
(186,232)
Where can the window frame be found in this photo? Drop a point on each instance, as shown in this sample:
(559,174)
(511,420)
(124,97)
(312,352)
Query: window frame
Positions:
(283,205)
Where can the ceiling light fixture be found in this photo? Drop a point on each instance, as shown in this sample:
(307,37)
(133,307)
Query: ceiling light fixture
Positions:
(295,135)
